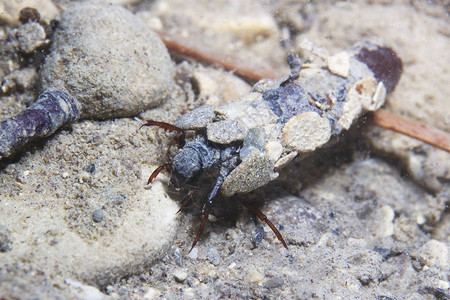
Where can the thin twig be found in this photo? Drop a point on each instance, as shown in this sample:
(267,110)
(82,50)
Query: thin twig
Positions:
(185,47)
(381,117)
(425,133)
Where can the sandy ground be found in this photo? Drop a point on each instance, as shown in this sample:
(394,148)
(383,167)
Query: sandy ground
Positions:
(366,219)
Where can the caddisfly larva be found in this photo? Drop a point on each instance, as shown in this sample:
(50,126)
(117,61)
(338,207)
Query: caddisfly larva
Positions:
(244,142)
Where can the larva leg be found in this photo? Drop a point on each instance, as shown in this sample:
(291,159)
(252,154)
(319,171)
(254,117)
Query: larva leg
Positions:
(164,167)
(263,217)
(200,229)
(187,200)
(169,127)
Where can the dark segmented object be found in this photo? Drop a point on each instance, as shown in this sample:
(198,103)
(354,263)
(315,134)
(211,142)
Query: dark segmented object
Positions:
(51,111)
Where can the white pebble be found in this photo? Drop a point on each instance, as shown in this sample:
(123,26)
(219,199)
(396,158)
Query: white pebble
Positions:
(434,253)
(180,274)
(193,254)
(339,64)
(255,276)
(274,150)
(385,227)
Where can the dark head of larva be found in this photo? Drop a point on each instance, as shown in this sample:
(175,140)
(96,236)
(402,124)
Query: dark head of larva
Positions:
(194,158)
(384,63)
(185,166)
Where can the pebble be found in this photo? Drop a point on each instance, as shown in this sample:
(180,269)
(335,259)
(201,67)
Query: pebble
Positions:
(284,160)
(178,255)
(385,225)
(291,100)
(213,256)
(5,241)
(197,118)
(383,62)
(255,276)
(243,180)
(274,149)
(225,132)
(115,198)
(84,291)
(92,59)
(258,237)
(273,282)
(152,293)
(193,254)
(180,274)
(11,10)
(434,253)
(30,36)
(377,99)
(18,80)
(97,216)
(90,168)
(218,87)
(339,64)
(351,109)
(250,114)
(364,89)
(255,138)
(306,132)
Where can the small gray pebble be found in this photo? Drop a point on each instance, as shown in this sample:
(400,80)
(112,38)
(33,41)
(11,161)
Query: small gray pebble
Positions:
(97,215)
(255,137)
(178,255)
(225,132)
(116,198)
(273,282)
(31,36)
(197,118)
(19,80)
(5,247)
(258,237)
(5,241)
(243,180)
(255,140)
(193,254)
(213,256)
(90,168)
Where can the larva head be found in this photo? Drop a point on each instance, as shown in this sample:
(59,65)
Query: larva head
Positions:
(185,166)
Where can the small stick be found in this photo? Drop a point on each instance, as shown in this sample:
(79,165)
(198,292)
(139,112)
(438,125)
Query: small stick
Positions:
(425,133)
(210,56)
(381,117)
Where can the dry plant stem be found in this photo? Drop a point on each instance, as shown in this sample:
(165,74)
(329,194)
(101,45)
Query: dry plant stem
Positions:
(425,133)
(191,49)
(381,117)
